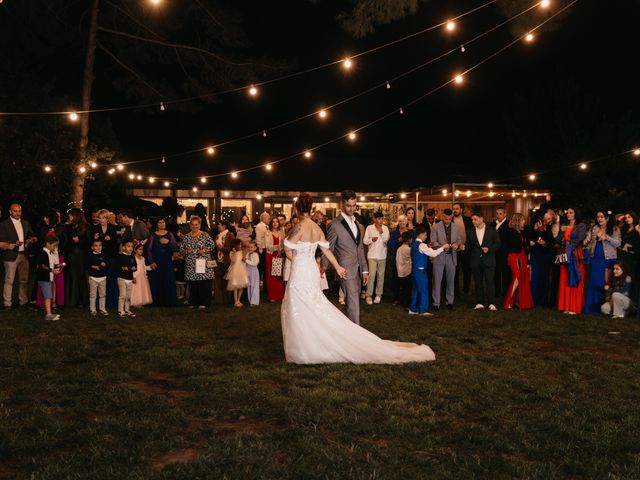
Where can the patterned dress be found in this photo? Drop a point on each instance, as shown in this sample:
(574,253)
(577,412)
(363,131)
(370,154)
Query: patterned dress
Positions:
(202,241)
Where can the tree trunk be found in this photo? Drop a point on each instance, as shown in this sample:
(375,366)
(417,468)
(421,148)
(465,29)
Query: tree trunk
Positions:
(78,178)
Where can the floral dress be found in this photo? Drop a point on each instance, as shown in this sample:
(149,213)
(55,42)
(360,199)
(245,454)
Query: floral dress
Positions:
(195,244)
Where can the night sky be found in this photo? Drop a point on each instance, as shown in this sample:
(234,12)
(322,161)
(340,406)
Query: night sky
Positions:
(457,134)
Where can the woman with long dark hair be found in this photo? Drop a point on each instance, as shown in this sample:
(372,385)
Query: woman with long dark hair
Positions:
(603,239)
(78,234)
(571,259)
(162,278)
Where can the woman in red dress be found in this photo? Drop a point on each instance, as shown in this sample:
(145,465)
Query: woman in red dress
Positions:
(275,247)
(571,259)
(519,291)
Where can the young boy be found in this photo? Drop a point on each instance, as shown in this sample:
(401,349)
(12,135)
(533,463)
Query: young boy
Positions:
(126,266)
(420,253)
(403,267)
(46,269)
(97,264)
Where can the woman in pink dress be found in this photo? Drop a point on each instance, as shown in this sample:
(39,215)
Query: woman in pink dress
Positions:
(275,246)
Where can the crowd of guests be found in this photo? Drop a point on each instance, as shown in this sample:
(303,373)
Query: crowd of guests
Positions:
(118,261)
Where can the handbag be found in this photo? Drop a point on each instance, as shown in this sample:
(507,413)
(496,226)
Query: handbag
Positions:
(276,266)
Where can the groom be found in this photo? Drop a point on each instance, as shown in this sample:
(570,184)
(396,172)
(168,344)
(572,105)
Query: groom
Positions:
(345,241)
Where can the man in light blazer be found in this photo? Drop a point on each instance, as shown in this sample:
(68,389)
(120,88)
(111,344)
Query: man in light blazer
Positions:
(16,236)
(482,243)
(443,232)
(344,234)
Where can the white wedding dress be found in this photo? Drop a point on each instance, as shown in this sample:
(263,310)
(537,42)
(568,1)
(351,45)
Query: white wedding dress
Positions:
(315,331)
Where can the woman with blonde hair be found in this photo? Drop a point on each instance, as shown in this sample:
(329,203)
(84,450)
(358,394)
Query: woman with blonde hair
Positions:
(519,291)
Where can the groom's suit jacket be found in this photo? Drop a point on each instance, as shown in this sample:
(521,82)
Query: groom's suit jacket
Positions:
(349,250)
(491,240)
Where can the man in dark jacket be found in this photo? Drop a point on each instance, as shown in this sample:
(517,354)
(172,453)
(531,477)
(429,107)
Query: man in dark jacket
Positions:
(482,243)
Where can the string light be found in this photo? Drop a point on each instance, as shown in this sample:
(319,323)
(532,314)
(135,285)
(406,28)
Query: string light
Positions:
(583,166)
(164,160)
(532,177)
(388,85)
(155,2)
(226,193)
(152,180)
(264,133)
(444,192)
(491,194)
(362,199)
(93,165)
(253,91)
(636,152)
(326,199)
(211,150)
(132,176)
(530,37)
(139,177)
(458,79)
(162,106)
(545,3)
(73,116)
(195,189)
(112,171)
(352,136)
(322,113)
(307,154)
(120,167)
(234,174)
(403,196)
(295,199)
(269,167)
(462,49)
(347,63)
(47,168)
(259,196)
(401,111)
(468,193)
(166,184)
(203,180)
(82,169)
(451,26)
(490,185)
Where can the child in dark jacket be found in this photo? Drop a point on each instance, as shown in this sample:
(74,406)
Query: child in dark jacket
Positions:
(97,266)
(126,266)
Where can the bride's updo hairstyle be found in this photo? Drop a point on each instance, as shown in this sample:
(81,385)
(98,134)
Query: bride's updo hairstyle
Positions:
(304,203)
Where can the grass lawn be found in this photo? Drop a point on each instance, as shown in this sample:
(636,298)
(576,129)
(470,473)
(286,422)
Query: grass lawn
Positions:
(207,395)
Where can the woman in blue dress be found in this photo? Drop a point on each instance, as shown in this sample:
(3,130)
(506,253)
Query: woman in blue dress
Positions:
(603,240)
(162,278)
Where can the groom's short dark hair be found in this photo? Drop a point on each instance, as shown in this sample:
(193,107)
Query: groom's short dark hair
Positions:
(348,195)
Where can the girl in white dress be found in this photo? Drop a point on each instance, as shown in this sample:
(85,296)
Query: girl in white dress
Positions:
(313,329)
(140,290)
(237,277)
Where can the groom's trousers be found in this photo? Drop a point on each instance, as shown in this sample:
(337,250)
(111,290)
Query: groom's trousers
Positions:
(448,270)
(351,288)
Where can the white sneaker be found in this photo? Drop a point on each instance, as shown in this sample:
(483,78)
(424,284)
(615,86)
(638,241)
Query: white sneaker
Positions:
(479,307)
(52,318)
(427,314)
(492,307)
(369,301)
(378,299)
(411,312)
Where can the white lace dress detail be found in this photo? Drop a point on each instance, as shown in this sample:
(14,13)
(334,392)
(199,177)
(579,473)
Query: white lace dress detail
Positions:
(315,331)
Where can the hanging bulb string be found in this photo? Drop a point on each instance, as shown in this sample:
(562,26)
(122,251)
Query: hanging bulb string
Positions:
(162,41)
(353,97)
(395,111)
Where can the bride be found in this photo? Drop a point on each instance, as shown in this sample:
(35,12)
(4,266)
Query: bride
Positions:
(313,329)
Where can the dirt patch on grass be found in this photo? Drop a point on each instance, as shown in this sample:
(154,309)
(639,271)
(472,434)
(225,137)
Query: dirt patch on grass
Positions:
(159,384)
(187,455)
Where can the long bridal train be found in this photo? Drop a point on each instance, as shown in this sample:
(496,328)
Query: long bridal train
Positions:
(315,331)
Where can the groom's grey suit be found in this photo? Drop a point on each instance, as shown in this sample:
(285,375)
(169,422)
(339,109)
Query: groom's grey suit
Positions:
(349,251)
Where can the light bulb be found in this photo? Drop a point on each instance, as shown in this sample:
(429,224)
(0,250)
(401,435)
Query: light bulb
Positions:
(458,79)
(636,152)
(259,196)
(93,165)
(451,26)
(444,191)
(195,189)
(234,175)
(166,184)
(468,193)
(583,166)
(362,199)
(530,37)
(152,180)
(139,177)
(162,106)
(307,154)
(388,85)
(268,166)
(253,91)
(401,111)
(347,63)
(211,150)
(545,3)
(164,160)
(264,133)
(82,169)
(203,180)
(326,199)
(132,176)
(322,113)
(120,166)
(226,193)
(490,185)
(73,116)
(462,49)
(112,171)
(403,196)
(47,168)
(532,177)
(352,136)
